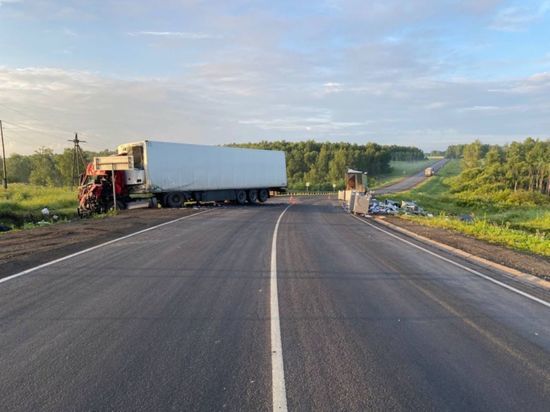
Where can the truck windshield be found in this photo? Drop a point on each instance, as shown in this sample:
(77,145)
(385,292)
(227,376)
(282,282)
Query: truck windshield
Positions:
(137,152)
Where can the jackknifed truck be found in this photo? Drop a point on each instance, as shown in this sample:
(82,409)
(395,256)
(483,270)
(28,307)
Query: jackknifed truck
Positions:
(170,174)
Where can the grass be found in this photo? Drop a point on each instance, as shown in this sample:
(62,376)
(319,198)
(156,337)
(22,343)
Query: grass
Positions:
(21,204)
(523,227)
(482,229)
(400,170)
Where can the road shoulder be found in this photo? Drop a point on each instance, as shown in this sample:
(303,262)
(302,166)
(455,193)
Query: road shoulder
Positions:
(21,250)
(518,264)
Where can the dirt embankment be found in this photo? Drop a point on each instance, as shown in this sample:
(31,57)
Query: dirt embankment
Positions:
(528,263)
(21,250)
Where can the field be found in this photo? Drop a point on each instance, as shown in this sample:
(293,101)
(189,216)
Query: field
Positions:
(400,170)
(21,204)
(523,227)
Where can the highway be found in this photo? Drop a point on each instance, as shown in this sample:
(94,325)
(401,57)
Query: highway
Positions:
(182,317)
(409,182)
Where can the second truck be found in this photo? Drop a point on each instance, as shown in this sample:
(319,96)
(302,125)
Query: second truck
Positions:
(171,174)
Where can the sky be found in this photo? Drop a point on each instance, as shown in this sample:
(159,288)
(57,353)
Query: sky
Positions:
(424,73)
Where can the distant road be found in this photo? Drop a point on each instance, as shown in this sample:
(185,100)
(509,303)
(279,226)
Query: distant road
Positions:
(409,182)
(180,318)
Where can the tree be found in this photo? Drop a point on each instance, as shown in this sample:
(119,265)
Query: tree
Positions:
(18,168)
(44,170)
(472,155)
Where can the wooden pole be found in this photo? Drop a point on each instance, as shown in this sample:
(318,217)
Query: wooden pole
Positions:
(114,184)
(5,179)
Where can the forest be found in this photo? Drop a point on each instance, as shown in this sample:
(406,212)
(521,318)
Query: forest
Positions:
(515,171)
(320,164)
(516,167)
(323,164)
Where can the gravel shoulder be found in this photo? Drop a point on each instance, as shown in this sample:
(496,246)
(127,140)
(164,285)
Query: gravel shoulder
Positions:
(20,250)
(533,264)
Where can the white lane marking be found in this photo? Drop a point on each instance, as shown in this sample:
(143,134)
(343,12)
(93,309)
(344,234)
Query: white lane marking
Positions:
(475,272)
(277,366)
(26,272)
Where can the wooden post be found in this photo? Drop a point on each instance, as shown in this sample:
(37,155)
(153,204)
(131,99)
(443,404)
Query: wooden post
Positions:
(114,184)
(5,178)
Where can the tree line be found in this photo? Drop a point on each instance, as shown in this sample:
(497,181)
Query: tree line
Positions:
(519,166)
(46,168)
(323,164)
(319,164)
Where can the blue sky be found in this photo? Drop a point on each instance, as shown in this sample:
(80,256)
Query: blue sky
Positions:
(426,73)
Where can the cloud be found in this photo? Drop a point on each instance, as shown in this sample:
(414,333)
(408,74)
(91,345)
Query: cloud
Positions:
(353,70)
(515,19)
(215,104)
(176,34)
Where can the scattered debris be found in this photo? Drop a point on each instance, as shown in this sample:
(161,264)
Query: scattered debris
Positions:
(410,207)
(387,207)
(392,207)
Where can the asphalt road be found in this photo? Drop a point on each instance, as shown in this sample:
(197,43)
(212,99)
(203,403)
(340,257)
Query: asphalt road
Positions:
(179,318)
(409,182)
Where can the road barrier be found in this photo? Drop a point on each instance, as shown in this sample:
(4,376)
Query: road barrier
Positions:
(290,194)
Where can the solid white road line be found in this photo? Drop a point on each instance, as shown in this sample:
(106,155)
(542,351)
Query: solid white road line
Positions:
(452,262)
(277,366)
(26,272)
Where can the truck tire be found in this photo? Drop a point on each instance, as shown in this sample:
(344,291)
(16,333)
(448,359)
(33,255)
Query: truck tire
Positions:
(263,195)
(174,200)
(252,196)
(240,196)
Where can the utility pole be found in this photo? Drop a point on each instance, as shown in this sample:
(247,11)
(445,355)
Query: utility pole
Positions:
(78,159)
(5,179)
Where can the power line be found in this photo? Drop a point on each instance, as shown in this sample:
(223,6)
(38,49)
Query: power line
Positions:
(26,115)
(32,129)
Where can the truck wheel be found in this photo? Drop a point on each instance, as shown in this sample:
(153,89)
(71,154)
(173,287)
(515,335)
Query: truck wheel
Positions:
(241,197)
(174,199)
(252,195)
(263,195)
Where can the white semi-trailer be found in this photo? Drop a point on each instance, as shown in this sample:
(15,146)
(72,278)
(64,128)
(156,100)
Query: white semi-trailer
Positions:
(173,173)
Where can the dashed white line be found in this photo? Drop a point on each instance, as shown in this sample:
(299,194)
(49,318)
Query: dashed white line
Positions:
(452,262)
(277,366)
(26,272)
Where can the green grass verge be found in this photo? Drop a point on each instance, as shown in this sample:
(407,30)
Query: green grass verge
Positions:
(498,218)
(400,170)
(482,229)
(21,204)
